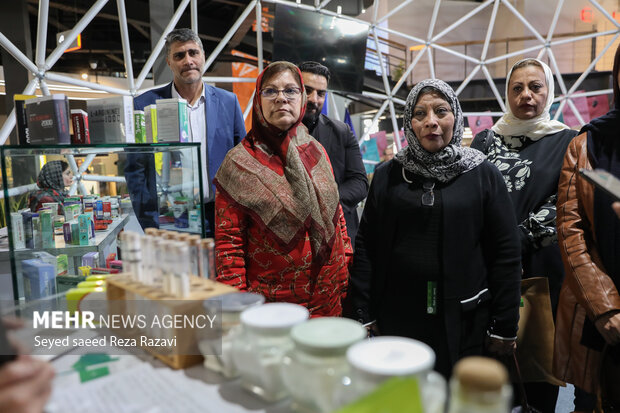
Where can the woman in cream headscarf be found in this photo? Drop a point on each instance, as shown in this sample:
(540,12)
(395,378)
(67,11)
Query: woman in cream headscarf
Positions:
(528,148)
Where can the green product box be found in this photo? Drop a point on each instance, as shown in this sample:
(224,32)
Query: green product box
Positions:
(84,228)
(62,264)
(139,126)
(75,233)
(67,282)
(47,230)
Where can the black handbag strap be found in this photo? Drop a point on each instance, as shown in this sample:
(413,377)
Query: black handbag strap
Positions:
(525,406)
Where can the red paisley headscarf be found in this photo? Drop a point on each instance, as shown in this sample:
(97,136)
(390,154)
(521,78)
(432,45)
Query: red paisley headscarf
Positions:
(283,179)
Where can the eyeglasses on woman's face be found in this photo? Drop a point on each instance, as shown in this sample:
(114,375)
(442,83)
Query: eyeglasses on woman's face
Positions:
(290,93)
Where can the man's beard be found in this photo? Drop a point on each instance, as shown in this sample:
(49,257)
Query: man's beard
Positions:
(309,117)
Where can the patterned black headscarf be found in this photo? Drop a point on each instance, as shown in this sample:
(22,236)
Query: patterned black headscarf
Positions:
(447,163)
(51,176)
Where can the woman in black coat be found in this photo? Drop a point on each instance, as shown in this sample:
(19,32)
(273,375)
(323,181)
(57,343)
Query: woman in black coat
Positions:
(437,255)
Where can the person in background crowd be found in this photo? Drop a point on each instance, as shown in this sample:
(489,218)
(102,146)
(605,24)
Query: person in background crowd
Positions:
(616,207)
(215,120)
(388,153)
(280,230)
(587,341)
(528,147)
(437,254)
(339,143)
(53,178)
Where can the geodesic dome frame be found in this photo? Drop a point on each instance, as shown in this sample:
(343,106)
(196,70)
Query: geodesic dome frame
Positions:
(42,65)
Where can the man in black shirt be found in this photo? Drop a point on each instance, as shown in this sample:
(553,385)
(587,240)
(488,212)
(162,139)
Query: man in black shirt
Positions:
(339,142)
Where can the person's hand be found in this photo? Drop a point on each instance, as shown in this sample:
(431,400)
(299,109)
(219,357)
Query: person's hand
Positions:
(616,207)
(609,327)
(25,385)
(498,347)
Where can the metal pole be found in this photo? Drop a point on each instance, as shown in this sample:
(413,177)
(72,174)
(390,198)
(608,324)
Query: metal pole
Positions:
(9,123)
(17,54)
(44,6)
(487,39)
(229,35)
(122,20)
(375,119)
(403,78)
(516,53)
(605,13)
(585,36)
(194,15)
(160,44)
(431,66)
(554,22)
(455,53)
(259,35)
(44,88)
(396,133)
(394,10)
(467,79)
(523,20)
(248,107)
(591,66)
(81,24)
(461,20)
(493,87)
(431,27)
(77,82)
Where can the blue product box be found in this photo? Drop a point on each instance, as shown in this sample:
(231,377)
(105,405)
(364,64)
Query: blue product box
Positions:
(39,279)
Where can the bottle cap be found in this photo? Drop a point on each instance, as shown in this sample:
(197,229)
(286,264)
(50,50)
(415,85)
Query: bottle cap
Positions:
(480,374)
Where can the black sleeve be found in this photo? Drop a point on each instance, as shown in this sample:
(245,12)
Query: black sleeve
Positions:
(503,256)
(354,188)
(357,304)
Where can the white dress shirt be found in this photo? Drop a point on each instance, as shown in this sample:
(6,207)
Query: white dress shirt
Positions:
(197,133)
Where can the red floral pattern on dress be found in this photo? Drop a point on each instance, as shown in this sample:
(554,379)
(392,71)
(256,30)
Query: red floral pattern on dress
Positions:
(246,259)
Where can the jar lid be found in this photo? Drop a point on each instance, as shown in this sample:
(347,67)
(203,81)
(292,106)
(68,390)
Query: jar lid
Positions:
(234,302)
(274,316)
(480,374)
(391,356)
(327,335)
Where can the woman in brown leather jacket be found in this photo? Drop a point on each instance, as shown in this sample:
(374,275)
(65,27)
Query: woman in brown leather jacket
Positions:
(587,342)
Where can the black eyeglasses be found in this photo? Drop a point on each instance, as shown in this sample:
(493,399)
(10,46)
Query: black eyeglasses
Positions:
(428,197)
(290,93)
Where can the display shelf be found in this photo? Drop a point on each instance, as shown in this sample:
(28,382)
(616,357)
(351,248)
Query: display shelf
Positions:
(102,240)
(173,170)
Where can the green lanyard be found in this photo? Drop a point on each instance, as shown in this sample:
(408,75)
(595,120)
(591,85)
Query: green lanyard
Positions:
(431,297)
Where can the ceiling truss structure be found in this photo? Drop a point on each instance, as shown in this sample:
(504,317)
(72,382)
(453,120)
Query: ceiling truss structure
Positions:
(42,65)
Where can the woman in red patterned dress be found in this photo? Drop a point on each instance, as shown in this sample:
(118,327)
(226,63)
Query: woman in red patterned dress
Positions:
(279,229)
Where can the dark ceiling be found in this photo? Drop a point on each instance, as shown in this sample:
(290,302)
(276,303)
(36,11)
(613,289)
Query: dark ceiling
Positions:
(101,40)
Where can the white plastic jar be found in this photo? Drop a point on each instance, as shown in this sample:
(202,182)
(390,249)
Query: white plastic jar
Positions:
(314,369)
(263,341)
(378,359)
(220,359)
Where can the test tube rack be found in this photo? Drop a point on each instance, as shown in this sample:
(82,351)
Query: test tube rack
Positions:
(124,294)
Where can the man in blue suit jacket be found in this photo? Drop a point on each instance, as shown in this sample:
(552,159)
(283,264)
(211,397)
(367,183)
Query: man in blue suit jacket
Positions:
(215,121)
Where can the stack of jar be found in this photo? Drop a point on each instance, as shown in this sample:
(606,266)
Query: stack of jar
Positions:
(321,364)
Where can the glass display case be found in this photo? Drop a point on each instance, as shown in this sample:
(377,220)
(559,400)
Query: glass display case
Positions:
(64,206)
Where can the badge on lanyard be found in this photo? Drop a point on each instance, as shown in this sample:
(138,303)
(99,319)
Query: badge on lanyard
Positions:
(431,297)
